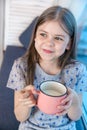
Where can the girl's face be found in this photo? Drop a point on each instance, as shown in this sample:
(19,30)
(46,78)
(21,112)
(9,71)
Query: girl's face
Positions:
(51,41)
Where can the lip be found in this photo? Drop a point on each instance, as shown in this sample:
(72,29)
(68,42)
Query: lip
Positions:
(47,51)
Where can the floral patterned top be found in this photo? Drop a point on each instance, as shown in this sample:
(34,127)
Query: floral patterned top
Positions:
(73,75)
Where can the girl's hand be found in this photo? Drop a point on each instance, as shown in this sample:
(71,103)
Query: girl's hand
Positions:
(26,97)
(66,103)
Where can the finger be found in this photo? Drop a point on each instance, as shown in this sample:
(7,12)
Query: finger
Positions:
(65,107)
(25,93)
(67,99)
(26,99)
(60,108)
(23,99)
(29,103)
(61,113)
(30,99)
(68,105)
(29,87)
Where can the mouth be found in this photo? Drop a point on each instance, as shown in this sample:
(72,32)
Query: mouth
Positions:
(47,51)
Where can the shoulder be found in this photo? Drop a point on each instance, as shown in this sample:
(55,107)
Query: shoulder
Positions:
(21,60)
(75,66)
(18,74)
(20,63)
(75,76)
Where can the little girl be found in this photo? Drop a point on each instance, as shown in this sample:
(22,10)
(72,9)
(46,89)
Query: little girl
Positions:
(50,56)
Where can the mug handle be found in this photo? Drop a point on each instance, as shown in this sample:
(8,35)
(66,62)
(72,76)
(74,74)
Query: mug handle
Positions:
(36,92)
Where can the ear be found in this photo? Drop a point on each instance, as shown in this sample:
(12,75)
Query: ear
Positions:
(68,46)
(35,39)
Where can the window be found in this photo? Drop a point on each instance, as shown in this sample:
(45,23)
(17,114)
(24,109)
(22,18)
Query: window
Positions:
(85,109)
(82,55)
(18,16)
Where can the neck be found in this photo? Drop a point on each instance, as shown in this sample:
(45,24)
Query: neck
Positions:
(50,67)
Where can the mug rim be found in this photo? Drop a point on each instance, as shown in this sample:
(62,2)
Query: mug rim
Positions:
(53,95)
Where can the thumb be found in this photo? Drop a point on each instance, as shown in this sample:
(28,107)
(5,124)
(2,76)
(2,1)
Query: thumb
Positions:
(29,87)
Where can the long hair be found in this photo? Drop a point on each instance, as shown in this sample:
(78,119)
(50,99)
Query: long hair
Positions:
(68,23)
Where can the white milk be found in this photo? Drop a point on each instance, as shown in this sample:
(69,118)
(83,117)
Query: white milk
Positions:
(52,88)
(52,92)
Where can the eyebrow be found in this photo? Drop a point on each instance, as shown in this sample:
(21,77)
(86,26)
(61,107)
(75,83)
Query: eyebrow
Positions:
(40,30)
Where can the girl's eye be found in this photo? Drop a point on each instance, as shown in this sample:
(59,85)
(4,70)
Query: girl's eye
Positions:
(43,34)
(58,38)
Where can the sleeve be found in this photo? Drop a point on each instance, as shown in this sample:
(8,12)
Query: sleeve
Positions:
(81,84)
(16,78)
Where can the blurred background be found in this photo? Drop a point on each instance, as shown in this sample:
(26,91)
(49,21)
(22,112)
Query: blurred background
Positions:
(16,15)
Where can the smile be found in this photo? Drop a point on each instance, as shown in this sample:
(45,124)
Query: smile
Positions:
(47,51)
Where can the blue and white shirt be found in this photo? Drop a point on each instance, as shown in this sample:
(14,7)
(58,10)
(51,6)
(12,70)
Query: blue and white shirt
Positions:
(73,75)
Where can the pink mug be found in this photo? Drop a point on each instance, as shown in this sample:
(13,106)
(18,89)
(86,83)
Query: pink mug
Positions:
(50,95)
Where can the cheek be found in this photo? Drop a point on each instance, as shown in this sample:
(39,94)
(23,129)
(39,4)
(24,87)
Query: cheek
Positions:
(65,46)
(37,41)
(61,49)
(37,46)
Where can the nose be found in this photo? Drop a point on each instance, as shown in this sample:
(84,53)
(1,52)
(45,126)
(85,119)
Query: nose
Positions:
(50,41)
